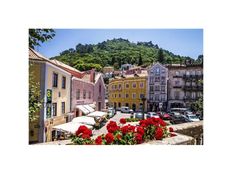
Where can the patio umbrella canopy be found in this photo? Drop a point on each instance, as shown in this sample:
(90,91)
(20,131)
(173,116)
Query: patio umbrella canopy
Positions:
(84,120)
(97,114)
(70,127)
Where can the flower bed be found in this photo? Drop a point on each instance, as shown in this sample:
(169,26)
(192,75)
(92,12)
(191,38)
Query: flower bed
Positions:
(121,134)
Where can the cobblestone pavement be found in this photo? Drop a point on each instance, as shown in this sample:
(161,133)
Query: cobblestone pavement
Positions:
(116,118)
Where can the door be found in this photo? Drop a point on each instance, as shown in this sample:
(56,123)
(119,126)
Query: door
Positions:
(99,106)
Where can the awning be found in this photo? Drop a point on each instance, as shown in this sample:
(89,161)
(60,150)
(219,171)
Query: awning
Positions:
(70,127)
(97,114)
(92,105)
(83,109)
(89,108)
(84,120)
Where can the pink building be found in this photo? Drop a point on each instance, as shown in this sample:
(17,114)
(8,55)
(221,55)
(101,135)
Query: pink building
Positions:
(88,93)
(82,94)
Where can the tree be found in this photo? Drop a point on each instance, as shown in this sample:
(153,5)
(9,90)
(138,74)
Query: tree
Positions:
(140,60)
(36,36)
(35,101)
(160,56)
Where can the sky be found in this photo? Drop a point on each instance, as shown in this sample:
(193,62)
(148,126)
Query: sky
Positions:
(183,42)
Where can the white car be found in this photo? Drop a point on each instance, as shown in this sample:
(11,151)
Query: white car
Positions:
(192,117)
(125,109)
(152,114)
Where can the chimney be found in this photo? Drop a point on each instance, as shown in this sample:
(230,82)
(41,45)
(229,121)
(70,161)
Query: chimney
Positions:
(92,75)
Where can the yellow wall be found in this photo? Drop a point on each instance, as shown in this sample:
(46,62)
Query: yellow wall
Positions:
(64,97)
(123,100)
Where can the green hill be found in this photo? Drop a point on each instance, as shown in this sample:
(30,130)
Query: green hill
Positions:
(116,52)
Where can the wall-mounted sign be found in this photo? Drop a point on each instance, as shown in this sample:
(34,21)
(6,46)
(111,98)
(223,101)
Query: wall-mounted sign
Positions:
(49,111)
(49,96)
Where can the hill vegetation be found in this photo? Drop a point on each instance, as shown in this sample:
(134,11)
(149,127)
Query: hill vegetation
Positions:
(116,52)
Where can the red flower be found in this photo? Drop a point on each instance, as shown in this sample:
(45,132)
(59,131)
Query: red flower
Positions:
(173,135)
(112,127)
(98,140)
(139,138)
(140,130)
(124,129)
(119,137)
(109,138)
(171,129)
(122,121)
(159,133)
(84,132)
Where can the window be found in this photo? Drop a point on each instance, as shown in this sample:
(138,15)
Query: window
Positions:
(127,95)
(162,98)
(127,85)
(78,94)
(157,88)
(193,95)
(176,95)
(133,85)
(84,94)
(151,88)
(156,97)
(119,95)
(55,80)
(115,95)
(133,95)
(151,80)
(63,82)
(157,79)
(54,109)
(177,83)
(163,71)
(157,70)
(63,107)
(100,89)
(141,84)
(141,96)
(163,88)
(119,86)
(177,73)
(187,73)
(89,94)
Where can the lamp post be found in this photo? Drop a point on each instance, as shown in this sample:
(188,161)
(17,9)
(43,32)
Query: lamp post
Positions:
(143,100)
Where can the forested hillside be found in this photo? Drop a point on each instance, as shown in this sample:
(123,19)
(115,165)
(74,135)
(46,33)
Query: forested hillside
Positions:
(116,52)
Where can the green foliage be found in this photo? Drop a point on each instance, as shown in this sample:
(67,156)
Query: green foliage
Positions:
(116,52)
(36,36)
(35,101)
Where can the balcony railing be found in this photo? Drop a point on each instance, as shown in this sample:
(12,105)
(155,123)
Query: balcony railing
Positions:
(177,86)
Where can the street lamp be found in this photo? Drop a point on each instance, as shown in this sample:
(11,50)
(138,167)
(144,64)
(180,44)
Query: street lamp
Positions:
(143,100)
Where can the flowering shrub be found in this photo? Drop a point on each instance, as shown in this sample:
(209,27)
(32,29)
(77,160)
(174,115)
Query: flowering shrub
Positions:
(82,136)
(122,121)
(149,129)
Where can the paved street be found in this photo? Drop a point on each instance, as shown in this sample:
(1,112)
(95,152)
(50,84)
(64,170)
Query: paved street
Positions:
(116,118)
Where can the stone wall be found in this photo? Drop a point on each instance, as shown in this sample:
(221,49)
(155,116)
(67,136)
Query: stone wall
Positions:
(187,134)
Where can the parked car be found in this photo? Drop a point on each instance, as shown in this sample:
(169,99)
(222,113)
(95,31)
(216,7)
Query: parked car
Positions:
(125,109)
(192,117)
(165,116)
(178,120)
(138,115)
(152,114)
(112,110)
(110,113)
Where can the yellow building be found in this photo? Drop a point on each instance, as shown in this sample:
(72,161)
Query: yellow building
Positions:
(55,91)
(128,91)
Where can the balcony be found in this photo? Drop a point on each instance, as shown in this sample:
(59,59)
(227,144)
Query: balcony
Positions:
(177,86)
(178,76)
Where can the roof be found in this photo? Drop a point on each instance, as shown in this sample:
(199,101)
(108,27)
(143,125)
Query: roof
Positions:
(59,63)
(34,55)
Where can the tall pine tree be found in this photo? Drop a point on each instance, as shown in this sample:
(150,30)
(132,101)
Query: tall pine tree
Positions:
(160,57)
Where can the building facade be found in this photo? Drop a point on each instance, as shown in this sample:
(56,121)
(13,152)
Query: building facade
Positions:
(128,91)
(157,87)
(185,84)
(55,92)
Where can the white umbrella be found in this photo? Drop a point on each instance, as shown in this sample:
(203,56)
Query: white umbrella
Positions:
(84,120)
